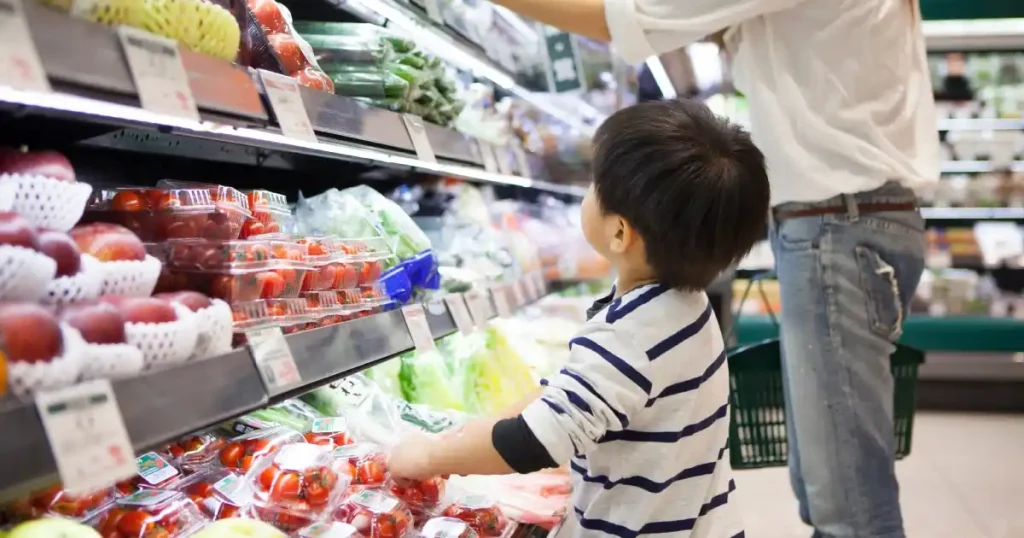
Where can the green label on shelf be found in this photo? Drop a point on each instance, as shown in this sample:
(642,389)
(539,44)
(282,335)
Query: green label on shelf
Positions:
(563,65)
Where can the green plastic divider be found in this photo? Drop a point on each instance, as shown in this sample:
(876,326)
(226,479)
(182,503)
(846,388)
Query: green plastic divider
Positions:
(950,333)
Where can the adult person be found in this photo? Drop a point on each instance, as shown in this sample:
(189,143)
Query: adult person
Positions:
(841,105)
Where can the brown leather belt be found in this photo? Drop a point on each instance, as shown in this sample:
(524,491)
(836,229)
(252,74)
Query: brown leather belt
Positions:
(840,209)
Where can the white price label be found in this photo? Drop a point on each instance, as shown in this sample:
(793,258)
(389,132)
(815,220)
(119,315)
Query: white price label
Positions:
(434,10)
(20,66)
(329,425)
(504,165)
(160,76)
(501,304)
(418,136)
(522,162)
(460,312)
(487,154)
(154,469)
(333,529)
(419,329)
(273,358)
(87,435)
(444,527)
(234,488)
(286,102)
(519,292)
(478,307)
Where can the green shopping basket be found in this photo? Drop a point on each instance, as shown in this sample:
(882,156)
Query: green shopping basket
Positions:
(757,433)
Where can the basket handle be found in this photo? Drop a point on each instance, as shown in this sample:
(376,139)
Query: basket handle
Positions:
(759,278)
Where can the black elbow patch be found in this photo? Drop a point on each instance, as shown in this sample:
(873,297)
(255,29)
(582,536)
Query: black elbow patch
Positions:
(519,447)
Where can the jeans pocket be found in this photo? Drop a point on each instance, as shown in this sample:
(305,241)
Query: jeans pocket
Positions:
(878,278)
(799,234)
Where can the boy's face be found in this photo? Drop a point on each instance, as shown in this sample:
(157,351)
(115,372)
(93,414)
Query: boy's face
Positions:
(609,234)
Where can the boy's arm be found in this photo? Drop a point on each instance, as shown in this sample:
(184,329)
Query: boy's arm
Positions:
(603,383)
(640,29)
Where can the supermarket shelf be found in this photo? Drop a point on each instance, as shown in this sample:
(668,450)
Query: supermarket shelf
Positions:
(160,406)
(86,67)
(976,167)
(980,34)
(973,213)
(444,44)
(980,124)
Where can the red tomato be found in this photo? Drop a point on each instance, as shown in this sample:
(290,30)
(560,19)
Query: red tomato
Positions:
(268,15)
(268,477)
(311,77)
(256,199)
(246,463)
(134,523)
(317,494)
(252,227)
(272,286)
(370,472)
(128,201)
(273,227)
(288,51)
(204,489)
(286,487)
(108,524)
(222,287)
(258,252)
(227,510)
(168,199)
(232,454)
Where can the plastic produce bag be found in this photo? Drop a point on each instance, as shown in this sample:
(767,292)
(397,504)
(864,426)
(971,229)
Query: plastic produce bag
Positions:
(295,56)
(425,379)
(335,212)
(395,222)
(398,43)
(334,53)
(372,83)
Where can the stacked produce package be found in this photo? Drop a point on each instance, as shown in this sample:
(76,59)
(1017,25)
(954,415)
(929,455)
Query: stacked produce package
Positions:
(377,67)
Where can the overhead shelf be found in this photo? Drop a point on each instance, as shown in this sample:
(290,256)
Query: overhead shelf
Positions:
(977,167)
(973,213)
(160,406)
(97,87)
(980,124)
(974,34)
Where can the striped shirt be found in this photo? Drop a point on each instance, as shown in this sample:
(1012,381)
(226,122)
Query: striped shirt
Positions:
(640,412)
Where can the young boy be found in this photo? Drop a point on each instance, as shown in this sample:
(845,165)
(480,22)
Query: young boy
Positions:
(640,411)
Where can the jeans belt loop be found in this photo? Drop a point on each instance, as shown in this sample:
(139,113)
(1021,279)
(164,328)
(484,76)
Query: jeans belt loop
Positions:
(852,211)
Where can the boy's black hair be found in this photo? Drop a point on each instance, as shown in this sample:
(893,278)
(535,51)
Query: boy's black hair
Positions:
(693,185)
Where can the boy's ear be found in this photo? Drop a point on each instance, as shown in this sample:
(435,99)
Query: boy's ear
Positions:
(624,236)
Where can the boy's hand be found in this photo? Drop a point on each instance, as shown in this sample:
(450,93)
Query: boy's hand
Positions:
(410,458)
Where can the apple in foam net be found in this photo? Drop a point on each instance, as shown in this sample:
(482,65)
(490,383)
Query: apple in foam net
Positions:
(29,333)
(99,323)
(18,231)
(108,242)
(36,163)
(146,310)
(63,250)
(193,300)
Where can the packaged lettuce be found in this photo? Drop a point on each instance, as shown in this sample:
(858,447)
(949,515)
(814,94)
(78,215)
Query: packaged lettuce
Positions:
(409,238)
(425,379)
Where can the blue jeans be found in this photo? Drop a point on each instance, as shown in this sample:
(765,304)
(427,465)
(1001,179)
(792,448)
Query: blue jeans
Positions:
(846,282)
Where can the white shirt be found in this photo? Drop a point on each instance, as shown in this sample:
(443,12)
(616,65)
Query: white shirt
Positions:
(839,92)
(641,412)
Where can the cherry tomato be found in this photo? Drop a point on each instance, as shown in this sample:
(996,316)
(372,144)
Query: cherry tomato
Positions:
(204,489)
(232,454)
(286,487)
(258,253)
(134,523)
(317,494)
(246,463)
(168,199)
(223,287)
(268,15)
(311,77)
(273,284)
(256,199)
(288,51)
(128,201)
(108,525)
(273,227)
(268,477)
(252,227)
(371,472)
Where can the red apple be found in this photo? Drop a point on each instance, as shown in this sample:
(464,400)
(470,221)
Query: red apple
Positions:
(16,230)
(30,333)
(64,251)
(99,323)
(193,300)
(42,163)
(108,242)
(147,310)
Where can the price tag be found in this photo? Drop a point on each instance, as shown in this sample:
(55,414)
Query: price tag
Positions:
(333,529)
(434,10)
(234,489)
(501,301)
(329,425)
(460,312)
(273,358)
(487,154)
(419,329)
(478,308)
(519,292)
(160,76)
(286,102)
(501,155)
(522,161)
(20,66)
(418,135)
(87,435)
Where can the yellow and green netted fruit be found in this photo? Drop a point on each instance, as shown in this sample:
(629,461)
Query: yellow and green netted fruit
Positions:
(109,12)
(198,25)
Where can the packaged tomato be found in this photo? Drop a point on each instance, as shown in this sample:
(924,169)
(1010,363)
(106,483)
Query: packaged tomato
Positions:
(150,513)
(159,214)
(330,529)
(155,472)
(447,527)
(420,495)
(331,432)
(219,493)
(481,513)
(54,501)
(373,297)
(270,213)
(244,451)
(366,464)
(196,451)
(324,257)
(296,486)
(376,514)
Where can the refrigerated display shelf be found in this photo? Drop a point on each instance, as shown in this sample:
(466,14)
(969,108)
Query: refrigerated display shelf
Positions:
(86,67)
(160,406)
(978,167)
(981,124)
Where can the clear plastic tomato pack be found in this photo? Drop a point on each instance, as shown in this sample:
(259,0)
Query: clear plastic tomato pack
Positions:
(219,493)
(330,529)
(150,513)
(54,501)
(376,514)
(447,527)
(420,495)
(481,513)
(212,212)
(244,451)
(156,470)
(195,452)
(296,486)
(270,214)
(366,464)
(332,432)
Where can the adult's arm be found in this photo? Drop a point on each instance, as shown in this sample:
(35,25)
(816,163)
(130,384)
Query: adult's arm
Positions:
(639,29)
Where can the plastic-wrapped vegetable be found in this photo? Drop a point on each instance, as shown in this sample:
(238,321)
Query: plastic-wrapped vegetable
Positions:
(399,44)
(293,53)
(425,379)
(379,84)
(337,213)
(479,512)
(347,51)
(395,222)
(415,77)
(394,105)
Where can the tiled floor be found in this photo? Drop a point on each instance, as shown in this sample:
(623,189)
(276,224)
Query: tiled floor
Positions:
(964,479)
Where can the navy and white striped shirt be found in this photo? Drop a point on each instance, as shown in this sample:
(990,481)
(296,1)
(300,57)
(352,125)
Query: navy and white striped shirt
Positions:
(641,413)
